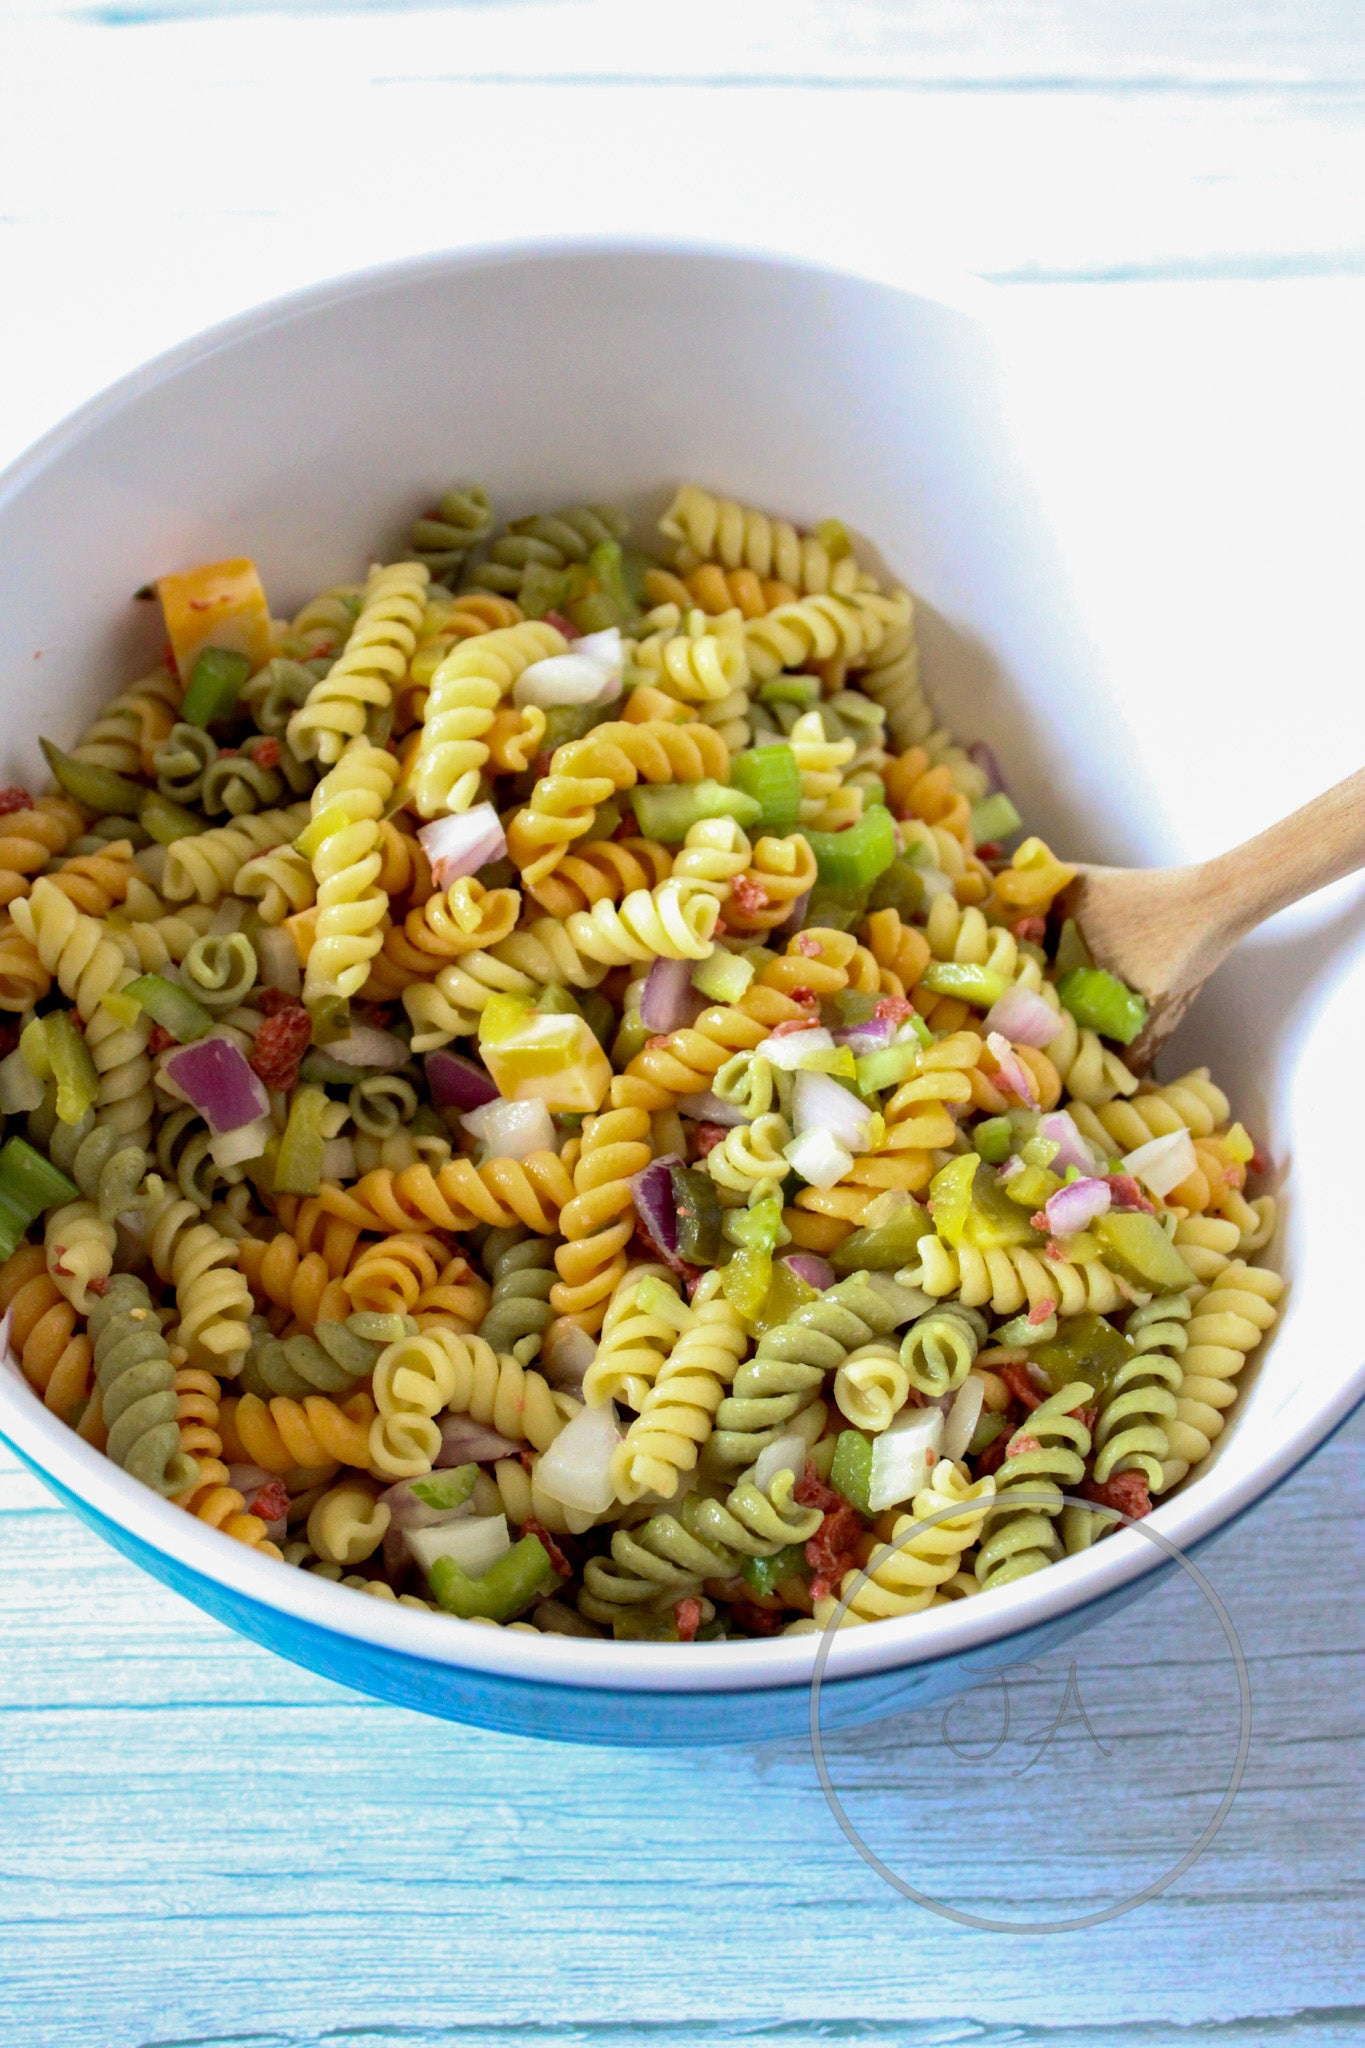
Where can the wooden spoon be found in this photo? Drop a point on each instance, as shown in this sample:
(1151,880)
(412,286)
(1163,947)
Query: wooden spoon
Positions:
(1164,930)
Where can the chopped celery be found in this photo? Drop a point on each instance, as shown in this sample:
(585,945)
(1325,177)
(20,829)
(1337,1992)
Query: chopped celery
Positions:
(994,818)
(770,775)
(851,1472)
(899,887)
(214,686)
(723,977)
(921,1030)
(99,789)
(166,822)
(298,1162)
(763,1575)
(1024,1331)
(993,1139)
(73,1068)
(505,1590)
(446,1490)
(173,1008)
(28,1185)
(1137,1247)
(854,858)
(667,811)
(1099,1001)
(980,985)
(887,1068)
(883,1247)
(873,789)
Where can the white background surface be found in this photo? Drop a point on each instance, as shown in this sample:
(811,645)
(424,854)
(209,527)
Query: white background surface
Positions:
(196,1841)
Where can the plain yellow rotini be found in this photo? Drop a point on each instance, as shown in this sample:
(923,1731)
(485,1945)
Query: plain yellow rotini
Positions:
(465,691)
(362,681)
(346,860)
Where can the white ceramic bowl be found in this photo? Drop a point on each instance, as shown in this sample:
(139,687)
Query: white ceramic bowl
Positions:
(306,435)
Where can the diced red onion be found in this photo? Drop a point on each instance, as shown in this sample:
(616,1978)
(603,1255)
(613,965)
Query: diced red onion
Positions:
(1163,1162)
(1022,1016)
(215,1076)
(512,1130)
(709,1109)
(808,1266)
(652,1192)
(873,1036)
(984,757)
(462,843)
(1059,1128)
(1012,1073)
(364,1046)
(246,1478)
(964,1412)
(819,1103)
(465,1442)
(458,1083)
(1075,1206)
(576,1469)
(566,1352)
(668,999)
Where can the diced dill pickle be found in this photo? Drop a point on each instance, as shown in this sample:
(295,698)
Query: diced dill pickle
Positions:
(885,1246)
(1031,1186)
(839,910)
(698,1207)
(1085,1348)
(1136,1246)
(899,887)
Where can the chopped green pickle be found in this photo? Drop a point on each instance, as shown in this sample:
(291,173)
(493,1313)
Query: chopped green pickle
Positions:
(765,1574)
(503,1592)
(73,1066)
(851,1472)
(970,1207)
(787,1293)
(1137,1247)
(993,1139)
(988,1428)
(698,1206)
(771,777)
(1030,1187)
(598,1014)
(1099,1001)
(899,887)
(746,1279)
(854,1005)
(1085,1348)
(298,1163)
(723,977)
(885,1246)
(994,818)
(839,910)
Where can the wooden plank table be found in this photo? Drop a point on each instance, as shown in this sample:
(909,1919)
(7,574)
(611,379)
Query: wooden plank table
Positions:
(200,1844)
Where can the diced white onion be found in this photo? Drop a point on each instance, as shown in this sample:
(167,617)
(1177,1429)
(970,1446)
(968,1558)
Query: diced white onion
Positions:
(963,1416)
(248,1141)
(475,1543)
(511,1130)
(20,1088)
(934,883)
(792,1047)
(576,1470)
(819,1158)
(590,673)
(820,1104)
(1163,1162)
(463,843)
(787,1454)
(338,1159)
(279,958)
(903,1457)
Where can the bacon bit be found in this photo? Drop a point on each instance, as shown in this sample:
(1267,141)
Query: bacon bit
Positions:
(1126,1491)
(1020,1384)
(267,753)
(791,1024)
(1235,1176)
(1045,1308)
(271,1501)
(527,1457)
(1030,930)
(810,1491)
(14,799)
(832,1549)
(1039,1222)
(1054,1248)
(808,946)
(1021,1443)
(1260,1161)
(708,1137)
(756,1621)
(993,1457)
(204,604)
(531,1527)
(660,1038)
(159,1038)
(98,1286)
(281,1043)
(894,1010)
(1124,1193)
(687,1617)
(58,1264)
(989,849)
(562,625)
(719,928)
(1087,1417)
(541,764)
(228,753)
(749,894)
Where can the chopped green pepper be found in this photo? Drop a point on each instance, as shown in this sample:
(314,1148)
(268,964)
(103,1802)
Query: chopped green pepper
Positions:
(851,1472)
(854,858)
(667,811)
(99,789)
(166,822)
(899,887)
(298,1163)
(765,1574)
(1099,1001)
(173,1008)
(994,818)
(28,1185)
(504,1591)
(214,686)
(770,775)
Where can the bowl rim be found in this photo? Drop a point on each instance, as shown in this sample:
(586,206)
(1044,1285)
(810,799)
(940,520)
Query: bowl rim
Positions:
(48,1446)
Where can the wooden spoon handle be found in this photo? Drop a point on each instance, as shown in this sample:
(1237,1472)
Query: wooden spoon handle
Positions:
(1305,851)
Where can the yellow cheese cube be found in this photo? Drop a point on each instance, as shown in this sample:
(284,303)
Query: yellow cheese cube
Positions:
(220,604)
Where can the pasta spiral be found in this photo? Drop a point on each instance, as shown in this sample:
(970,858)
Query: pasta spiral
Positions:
(465,692)
(645,1317)
(312,1435)
(1046,1455)
(700,661)
(1136,1407)
(716,590)
(715,852)
(54,1356)
(467,1377)
(443,538)
(904,1576)
(549,540)
(137,1388)
(749,1163)
(673,922)
(872,1386)
(1013,1279)
(783,871)
(843,628)
(938,1349)
(892,679)
(204,868)
(346,865)
(521,1268)
(330,1361)
(30,838)
(127,732)
(87,965)
(362,680)
(710,529)
(80,1252)
(677,1412)
(457,1195)
(602,870)
(584,773)
(599,1221)
(211,1295)
(304,1283)
(1228,1323)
